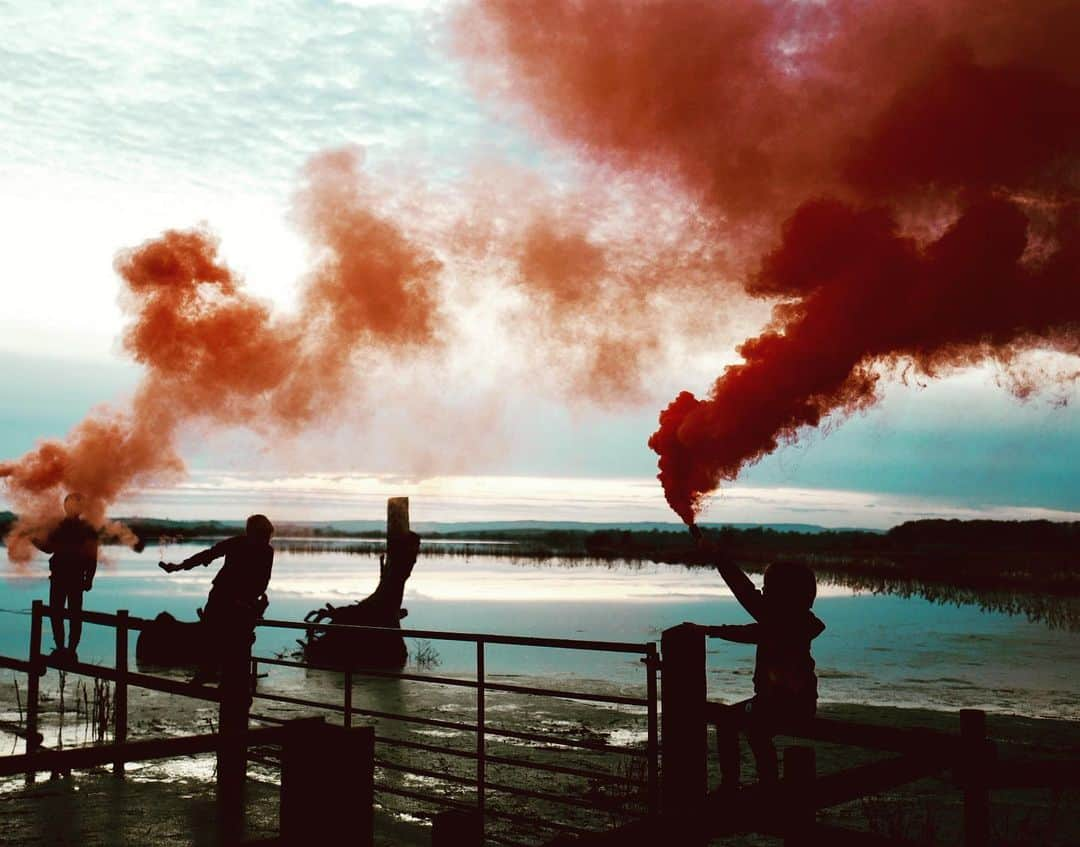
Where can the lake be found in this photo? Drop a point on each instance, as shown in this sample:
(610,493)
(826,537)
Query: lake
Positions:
(878,648)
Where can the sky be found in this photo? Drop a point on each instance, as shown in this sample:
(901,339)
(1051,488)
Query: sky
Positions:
(117,123)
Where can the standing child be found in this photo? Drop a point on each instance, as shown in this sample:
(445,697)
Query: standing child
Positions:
(785,686)
(73,544)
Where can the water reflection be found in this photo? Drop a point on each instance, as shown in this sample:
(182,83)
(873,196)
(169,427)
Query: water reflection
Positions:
(1056,611)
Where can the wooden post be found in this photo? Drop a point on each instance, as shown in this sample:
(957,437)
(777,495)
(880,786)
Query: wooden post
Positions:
(120,704)
(33,684)
(684,738)
(798,791)
(235,691)
(322,804)
(977,754)
(457,829)
(397,517)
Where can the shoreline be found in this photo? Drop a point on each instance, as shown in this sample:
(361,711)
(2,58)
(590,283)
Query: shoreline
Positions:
(182,790)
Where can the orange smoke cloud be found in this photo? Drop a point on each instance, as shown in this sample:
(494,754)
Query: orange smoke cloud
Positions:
(213,352)
(939,120)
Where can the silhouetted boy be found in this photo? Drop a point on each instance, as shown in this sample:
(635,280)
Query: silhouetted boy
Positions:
(785,686)
(238,596)
(73,544)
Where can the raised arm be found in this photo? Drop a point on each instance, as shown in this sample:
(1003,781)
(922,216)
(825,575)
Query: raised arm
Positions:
(741,586)
(203,558)
(744,634)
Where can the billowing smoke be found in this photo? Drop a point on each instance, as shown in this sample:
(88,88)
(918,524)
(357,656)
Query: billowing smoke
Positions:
(391,265)
(900,177)
(899,180)
(211,351)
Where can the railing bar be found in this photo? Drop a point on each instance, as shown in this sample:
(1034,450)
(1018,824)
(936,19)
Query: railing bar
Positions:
(510,762)
(598,746)
(440,680)
(465,683)
(583,774)
(505,789)
(105,619)
(97,618)
(541,822)
(502,733)
(439,635)
(438,775)
(300,701)
(21,665)
(614,807)
(424,798)
(154,683)
(567,695)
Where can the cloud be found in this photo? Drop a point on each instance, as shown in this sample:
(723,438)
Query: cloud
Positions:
(211,92)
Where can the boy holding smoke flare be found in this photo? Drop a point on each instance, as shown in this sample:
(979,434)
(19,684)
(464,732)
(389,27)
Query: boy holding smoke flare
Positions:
(238,596)
(785,686)
(73,544)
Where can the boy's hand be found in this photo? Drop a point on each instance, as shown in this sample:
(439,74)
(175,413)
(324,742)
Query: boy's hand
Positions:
(165,566)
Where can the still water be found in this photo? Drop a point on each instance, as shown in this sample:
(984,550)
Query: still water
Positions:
(878,648)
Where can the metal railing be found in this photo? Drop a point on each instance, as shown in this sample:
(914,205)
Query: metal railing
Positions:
(482,728)
(485,733)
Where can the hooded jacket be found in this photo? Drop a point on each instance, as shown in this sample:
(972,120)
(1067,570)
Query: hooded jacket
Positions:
(783,668)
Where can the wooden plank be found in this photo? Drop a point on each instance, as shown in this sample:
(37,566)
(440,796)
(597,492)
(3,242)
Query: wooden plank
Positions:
(865,780)
(1034,773)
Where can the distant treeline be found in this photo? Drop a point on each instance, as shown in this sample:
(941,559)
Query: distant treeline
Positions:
(912,537)
(922,537)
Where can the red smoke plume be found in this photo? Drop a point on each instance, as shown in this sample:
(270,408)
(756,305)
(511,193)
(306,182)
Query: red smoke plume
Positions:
(946,134)
(211,351)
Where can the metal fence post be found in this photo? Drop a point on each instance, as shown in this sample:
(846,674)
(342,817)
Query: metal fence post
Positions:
(33,683)
(120,700)
(684,776)
(481,746)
